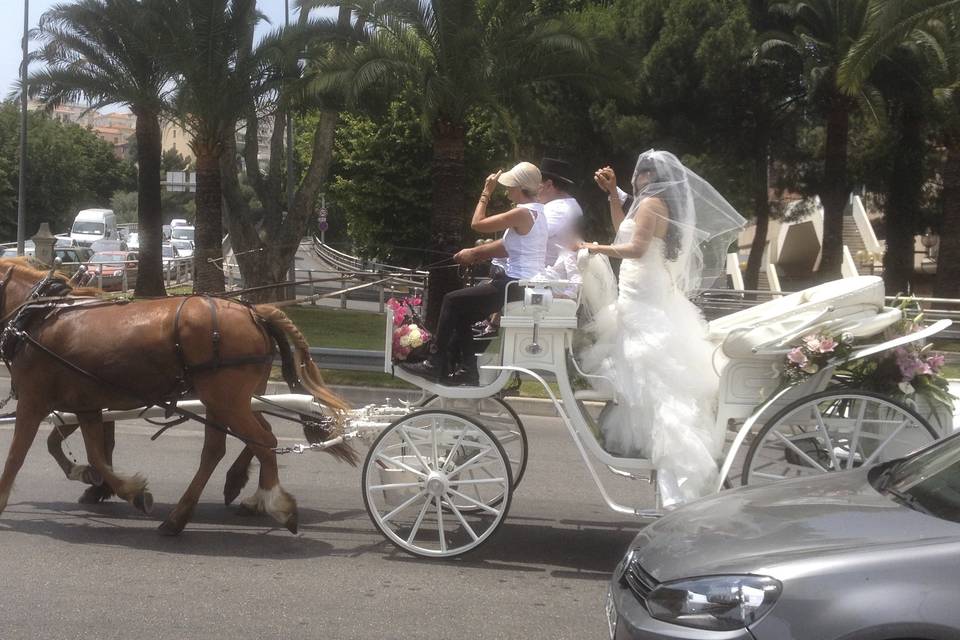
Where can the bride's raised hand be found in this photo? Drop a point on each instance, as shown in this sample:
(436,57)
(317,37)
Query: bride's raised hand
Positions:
(606,179)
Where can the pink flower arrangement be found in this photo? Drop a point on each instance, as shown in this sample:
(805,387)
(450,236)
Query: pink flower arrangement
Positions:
(408,333)
(814,352)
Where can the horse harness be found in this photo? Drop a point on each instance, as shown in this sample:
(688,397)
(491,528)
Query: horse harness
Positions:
(48,296)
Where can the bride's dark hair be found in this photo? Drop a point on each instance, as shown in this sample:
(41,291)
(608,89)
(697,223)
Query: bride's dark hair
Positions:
(671,197)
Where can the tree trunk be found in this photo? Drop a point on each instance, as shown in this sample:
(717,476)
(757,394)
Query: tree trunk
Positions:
(208,254)
(948,257)
(761,212)
(903,195)
(835,191)
(448,213)
(150,281)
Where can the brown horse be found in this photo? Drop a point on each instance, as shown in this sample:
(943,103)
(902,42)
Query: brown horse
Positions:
(148,352)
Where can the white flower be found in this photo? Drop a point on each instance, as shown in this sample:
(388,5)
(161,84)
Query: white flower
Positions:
(906,388)
(405,341)
(415,334)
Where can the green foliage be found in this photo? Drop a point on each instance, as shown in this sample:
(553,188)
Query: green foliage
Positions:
(379,192)
(69,168)
(173,204)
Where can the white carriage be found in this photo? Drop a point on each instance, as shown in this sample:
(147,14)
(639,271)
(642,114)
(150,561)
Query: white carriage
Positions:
(438,479)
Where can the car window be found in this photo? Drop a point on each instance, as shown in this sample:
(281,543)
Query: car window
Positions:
(107,257)
(930,480)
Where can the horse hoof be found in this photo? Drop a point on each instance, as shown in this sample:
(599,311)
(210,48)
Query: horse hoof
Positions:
(170,528)
(96,494)
(246,511)
(144,502)
(233,486)
(292,522)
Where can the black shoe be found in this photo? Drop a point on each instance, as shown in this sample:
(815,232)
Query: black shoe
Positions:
(426,369)
(463,378)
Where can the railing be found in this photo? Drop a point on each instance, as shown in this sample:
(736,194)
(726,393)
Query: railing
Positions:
(176,271)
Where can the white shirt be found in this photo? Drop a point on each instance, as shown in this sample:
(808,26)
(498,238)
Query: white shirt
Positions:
(565,268)
(525,252)
(561,215)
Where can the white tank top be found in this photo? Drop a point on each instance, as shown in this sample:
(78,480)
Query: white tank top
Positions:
(526,253)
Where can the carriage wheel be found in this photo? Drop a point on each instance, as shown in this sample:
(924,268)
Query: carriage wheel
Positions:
(834,430)
(419,472)
(500,418)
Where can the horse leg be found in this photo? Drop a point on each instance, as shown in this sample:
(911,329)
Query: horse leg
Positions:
(239,472)
(270,497)
(24,432)
(133,489)
(79,472)
(214,448)
(101,491)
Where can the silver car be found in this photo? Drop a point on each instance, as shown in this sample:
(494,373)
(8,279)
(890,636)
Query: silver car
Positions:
(868,554)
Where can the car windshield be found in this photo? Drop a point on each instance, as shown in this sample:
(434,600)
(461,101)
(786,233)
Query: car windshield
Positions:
(930,481)
(108,257)
(182,244)
(88,227)
(182,233)
(167,251)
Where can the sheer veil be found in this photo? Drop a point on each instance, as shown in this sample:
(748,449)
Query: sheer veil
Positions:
(702,224)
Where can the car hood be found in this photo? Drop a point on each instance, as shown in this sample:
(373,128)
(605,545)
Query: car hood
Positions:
(743,530)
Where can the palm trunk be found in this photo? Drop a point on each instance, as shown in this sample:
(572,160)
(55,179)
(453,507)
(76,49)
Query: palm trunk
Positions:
(761,212)
(150,280)
(948,258)
(448,216)
(906,184)
(208,254)
(835,191)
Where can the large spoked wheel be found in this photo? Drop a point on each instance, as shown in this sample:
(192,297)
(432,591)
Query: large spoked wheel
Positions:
(500,418)
(437,483)
(834,430)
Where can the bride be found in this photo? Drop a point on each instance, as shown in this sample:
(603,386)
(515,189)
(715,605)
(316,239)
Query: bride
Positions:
(652,342)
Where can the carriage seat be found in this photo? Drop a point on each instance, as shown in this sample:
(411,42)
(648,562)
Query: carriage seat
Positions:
(850,304)
(562,314)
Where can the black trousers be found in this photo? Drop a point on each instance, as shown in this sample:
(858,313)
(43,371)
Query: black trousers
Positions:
(460,309)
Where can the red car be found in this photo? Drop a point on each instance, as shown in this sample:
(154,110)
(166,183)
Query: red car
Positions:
(109,267)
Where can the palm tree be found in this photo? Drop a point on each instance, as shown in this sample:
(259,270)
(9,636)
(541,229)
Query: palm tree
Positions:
(931,27)
(822,35)
(204,40)
(460,56)
(108,52)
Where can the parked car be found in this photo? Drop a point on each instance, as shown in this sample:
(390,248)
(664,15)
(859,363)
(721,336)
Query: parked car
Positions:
(174,266)
(91,225)
(184,247)
(182,233)
(108,269)
(867,554)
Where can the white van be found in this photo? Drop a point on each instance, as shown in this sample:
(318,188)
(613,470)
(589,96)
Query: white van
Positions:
(91,225)
(181,233)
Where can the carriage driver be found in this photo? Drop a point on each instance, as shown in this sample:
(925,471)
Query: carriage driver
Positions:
(524,246)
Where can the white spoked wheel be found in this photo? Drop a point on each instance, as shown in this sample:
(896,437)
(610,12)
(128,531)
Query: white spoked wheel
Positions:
(420,473)
(834,430)
(500,418)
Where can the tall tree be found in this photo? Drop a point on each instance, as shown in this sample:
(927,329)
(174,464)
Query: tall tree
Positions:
(931,27)
(265,239)
(823,32)
(205,50)
(460,55)
(108,52)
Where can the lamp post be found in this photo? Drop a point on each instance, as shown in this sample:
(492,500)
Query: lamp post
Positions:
(22,186)
(292,273)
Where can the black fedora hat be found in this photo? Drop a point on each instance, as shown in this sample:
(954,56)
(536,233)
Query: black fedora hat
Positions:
(556,169)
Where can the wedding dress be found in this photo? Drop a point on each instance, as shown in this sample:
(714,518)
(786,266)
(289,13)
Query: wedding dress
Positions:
(652,346)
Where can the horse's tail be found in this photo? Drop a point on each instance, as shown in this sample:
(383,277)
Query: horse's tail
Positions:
(302,374)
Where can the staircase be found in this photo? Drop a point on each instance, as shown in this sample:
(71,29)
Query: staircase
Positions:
(851,236)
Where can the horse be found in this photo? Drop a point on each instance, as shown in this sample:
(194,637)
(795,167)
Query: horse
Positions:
(70,351)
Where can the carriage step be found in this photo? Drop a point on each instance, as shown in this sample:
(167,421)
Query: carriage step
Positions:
(594,394)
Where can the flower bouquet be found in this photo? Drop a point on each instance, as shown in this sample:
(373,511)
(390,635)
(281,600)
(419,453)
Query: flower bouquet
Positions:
(906,373)
(411,340)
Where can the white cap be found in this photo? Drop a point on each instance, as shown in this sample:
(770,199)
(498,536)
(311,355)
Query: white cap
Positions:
(524,175)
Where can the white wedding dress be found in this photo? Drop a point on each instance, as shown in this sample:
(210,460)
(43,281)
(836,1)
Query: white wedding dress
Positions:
(652,345)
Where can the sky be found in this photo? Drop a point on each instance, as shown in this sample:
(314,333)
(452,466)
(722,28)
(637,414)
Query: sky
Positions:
(11,31)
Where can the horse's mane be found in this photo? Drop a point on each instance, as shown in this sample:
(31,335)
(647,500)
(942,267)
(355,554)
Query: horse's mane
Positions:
(30,266)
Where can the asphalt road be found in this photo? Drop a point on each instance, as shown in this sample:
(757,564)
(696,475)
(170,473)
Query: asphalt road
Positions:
(71,571)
